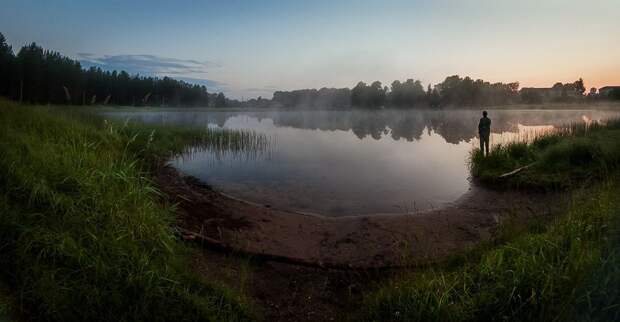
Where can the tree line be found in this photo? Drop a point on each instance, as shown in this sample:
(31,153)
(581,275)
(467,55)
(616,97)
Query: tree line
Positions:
(453,91)
(39,76)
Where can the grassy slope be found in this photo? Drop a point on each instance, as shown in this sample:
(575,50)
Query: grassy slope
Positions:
(83,235)
(568,270)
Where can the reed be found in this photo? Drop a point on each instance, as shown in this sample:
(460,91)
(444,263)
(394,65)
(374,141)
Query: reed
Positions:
(155,143)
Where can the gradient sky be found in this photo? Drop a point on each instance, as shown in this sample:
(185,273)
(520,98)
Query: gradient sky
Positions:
(251,48)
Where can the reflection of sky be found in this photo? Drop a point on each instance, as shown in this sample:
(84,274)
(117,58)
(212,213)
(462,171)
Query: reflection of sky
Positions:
(352,162)
(338,170)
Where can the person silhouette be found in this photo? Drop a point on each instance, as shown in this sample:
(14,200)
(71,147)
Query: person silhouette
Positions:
(484,130)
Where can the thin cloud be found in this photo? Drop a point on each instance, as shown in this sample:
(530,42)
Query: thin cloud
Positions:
(147,64)
(187,70)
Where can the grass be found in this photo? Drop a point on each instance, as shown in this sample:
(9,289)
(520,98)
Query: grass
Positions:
(84,234)
(569,272)
(568,158)
(6,303)
(565,270)
(152,143)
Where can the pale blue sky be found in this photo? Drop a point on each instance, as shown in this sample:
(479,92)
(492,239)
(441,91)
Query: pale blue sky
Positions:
(251,48)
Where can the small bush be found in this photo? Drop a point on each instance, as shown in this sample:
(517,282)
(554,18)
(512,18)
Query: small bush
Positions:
(573,153)
(546,140)
(519,151)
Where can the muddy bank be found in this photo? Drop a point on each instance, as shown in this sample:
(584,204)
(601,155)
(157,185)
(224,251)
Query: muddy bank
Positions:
(380,240)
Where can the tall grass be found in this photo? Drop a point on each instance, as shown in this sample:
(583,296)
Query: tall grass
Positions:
(83,233)
(569,272)
(226,144)
(565,158)
(152,142)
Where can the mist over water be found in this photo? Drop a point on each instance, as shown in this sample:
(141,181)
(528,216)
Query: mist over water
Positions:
(353,162)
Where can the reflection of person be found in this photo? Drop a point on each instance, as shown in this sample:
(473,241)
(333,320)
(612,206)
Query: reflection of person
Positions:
(484,130)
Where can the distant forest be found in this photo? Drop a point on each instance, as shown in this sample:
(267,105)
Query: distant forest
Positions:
(39,76)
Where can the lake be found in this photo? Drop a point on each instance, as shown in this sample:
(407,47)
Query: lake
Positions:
(340,163)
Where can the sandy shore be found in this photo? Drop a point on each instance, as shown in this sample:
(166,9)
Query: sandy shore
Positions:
(379,240)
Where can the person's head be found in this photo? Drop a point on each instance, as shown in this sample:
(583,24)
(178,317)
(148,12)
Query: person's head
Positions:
(484,113)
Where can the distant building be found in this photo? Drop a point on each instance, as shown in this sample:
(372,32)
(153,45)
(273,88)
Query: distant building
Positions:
(605,91)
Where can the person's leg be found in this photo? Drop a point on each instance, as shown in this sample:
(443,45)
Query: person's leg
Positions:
(486,145)
(482,144)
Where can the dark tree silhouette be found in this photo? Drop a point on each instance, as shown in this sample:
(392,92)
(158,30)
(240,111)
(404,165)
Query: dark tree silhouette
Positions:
(40,76)
(220,100)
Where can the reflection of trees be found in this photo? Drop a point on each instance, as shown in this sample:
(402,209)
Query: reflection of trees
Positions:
(369,126)
(453,125)
(409,127)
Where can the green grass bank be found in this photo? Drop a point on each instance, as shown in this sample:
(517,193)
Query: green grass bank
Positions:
(575,156)
(566,270)
(84,234)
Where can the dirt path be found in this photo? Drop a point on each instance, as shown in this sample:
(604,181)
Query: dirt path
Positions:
(382,240)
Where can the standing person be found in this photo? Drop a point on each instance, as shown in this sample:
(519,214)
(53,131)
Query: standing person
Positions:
(484,130)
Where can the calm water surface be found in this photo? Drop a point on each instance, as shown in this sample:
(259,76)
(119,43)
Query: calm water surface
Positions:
(352,162)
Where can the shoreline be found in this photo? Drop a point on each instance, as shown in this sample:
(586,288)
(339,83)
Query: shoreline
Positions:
(365,241)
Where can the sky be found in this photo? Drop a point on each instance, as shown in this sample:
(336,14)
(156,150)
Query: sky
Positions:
(252,48)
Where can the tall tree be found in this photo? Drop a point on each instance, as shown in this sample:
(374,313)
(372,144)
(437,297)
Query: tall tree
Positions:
(220,100)
(6,66)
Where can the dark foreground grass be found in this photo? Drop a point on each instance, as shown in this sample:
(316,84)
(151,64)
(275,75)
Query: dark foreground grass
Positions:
(570,272)
(572,157)
(83,233)
(6,303)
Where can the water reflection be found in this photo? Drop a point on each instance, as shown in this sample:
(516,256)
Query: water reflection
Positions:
(453,125)
(354,162)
